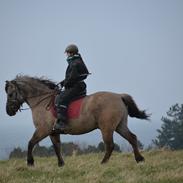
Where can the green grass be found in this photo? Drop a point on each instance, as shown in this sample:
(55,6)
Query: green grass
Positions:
(159,167)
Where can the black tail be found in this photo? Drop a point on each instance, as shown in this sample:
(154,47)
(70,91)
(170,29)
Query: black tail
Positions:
(133,110)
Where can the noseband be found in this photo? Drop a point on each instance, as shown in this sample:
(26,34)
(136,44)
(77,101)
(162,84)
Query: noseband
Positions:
(16,101)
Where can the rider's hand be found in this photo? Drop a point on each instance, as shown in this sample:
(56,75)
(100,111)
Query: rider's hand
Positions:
(62,83)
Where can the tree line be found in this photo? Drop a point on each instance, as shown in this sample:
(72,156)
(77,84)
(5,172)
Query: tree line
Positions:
(67,149)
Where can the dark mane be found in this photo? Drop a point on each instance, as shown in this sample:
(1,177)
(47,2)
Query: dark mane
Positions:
(42,80)
(50,84)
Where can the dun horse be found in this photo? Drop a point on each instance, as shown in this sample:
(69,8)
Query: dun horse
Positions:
(103,110)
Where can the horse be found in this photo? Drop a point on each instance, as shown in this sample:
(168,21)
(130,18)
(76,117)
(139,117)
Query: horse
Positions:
(106,111)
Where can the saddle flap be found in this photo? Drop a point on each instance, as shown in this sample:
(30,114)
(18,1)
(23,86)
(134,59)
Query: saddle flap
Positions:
(73,110)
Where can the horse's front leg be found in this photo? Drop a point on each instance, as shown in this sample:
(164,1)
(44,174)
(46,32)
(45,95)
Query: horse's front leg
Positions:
(37,136)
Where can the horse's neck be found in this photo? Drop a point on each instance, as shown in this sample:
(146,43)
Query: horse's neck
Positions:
(37,97)
(39,101)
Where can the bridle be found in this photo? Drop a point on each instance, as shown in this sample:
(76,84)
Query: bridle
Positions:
(19,102)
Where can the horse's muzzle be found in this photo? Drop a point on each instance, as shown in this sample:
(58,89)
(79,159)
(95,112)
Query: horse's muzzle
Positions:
(11,109)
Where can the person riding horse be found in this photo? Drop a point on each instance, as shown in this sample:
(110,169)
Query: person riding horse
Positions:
(73,83)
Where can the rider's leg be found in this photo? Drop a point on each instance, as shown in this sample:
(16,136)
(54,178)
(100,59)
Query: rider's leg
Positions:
(61,108)
(63,100)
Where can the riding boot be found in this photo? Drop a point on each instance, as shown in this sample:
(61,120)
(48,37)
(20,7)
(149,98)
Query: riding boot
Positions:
(61,118)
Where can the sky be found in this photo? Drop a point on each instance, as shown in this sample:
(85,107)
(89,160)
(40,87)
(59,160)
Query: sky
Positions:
(133,47)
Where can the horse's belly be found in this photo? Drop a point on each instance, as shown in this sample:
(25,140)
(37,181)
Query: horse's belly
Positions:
(79,126)
(75,131)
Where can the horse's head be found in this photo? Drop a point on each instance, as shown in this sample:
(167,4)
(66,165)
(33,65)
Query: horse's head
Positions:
(15,97)
(31,90)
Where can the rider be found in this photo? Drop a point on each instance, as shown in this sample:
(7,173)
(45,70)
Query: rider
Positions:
(73,83)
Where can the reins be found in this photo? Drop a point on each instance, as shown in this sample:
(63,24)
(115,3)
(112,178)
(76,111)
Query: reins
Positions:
(55,91)
(40,101)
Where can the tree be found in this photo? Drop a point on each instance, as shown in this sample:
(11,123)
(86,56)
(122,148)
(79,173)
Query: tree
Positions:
(90,149)
(101,147)
(68,148)
(42,151)
(171,133)
(17,153)
(140,145)
(116,148)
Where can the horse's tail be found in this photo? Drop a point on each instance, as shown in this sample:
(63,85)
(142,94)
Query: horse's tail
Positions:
(133,110)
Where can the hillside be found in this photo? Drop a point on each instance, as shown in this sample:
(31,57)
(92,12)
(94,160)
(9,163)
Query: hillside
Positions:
(159,167)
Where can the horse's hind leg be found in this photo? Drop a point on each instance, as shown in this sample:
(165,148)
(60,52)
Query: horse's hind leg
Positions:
(56,144)
(109,144)
(37,136)
(123,130)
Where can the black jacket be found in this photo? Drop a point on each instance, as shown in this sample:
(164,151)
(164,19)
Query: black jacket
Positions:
(76,71)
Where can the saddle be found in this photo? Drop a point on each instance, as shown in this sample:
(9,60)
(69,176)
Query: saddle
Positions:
(74,107)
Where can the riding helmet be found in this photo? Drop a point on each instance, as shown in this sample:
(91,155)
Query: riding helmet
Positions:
(72,48)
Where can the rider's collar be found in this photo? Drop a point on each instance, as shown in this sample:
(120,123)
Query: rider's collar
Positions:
(72,58)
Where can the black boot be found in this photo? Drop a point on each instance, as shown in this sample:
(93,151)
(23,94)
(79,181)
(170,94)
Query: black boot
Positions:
(61,119)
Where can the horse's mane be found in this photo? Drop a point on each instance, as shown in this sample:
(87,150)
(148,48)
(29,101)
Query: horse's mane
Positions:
(41,80)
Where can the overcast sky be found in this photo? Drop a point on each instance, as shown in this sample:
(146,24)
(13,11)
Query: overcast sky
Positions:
(129,46)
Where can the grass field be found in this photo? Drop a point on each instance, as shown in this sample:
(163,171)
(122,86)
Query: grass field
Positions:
(159,167)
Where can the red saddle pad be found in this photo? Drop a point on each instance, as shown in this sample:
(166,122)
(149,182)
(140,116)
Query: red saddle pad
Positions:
(73,109)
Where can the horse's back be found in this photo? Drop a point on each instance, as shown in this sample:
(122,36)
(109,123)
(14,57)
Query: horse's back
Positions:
(104,103)
(98,110)
(104,99)
(107,108)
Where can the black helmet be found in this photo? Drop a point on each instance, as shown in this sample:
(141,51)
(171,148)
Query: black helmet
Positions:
(72,48)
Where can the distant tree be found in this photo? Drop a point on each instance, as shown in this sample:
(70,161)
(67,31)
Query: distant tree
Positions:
(40,151)
(43,151)
(151,146)
(90,149)
(171,133)
(51,151)
(101,147)
(17,153)
(116,147)
(140,145)
(68,148)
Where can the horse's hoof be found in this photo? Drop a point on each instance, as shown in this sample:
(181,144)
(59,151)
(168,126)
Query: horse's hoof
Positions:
(140,159)
(104,162)
(30,162)
(61,164)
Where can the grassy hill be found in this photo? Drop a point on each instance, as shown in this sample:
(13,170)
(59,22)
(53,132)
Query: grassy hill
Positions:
(159,167)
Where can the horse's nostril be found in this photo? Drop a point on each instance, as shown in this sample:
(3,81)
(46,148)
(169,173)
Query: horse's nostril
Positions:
(11,109)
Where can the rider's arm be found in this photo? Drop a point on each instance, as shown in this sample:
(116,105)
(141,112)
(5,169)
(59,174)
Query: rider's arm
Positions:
(72,76)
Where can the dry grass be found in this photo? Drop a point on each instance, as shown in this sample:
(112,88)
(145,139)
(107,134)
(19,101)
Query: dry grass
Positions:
(160,167)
